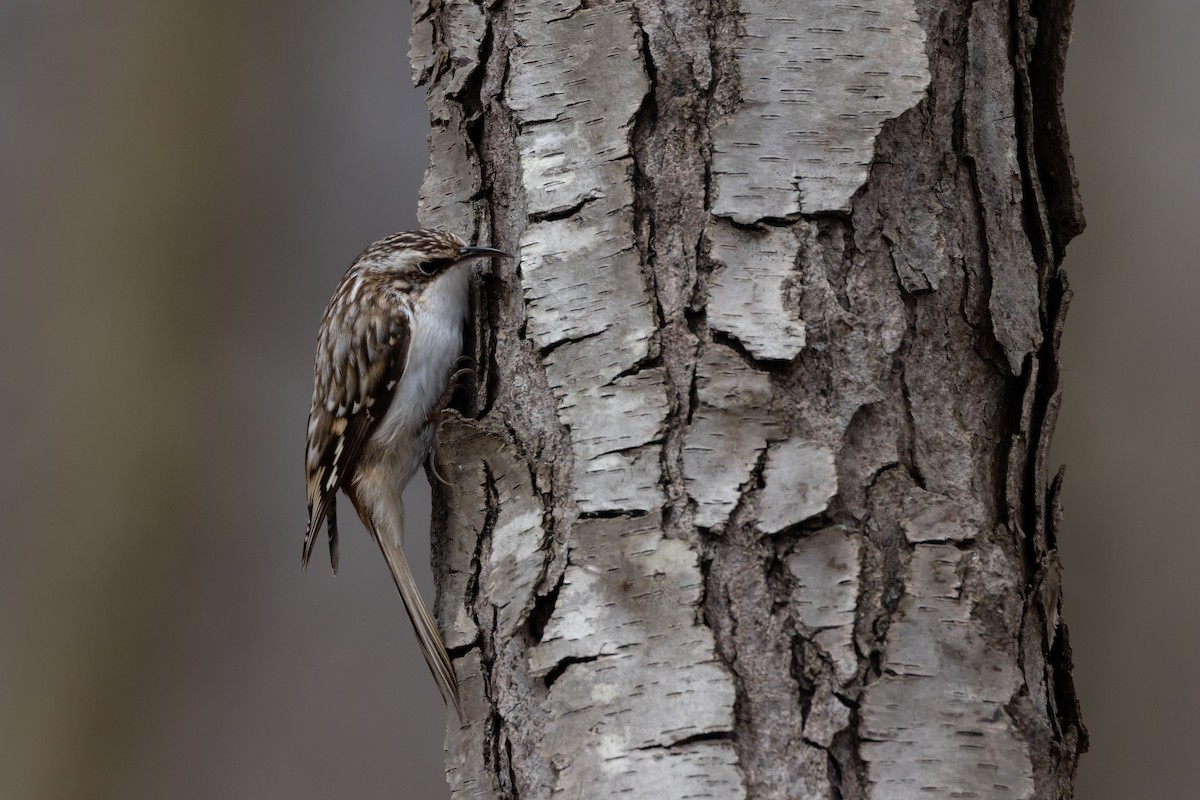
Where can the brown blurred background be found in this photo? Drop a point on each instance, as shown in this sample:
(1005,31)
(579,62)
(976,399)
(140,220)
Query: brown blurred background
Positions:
(181,185)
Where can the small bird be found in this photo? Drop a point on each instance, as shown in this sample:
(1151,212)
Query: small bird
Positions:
(387,343)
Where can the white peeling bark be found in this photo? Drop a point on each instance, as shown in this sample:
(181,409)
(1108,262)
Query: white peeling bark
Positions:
(751,293)
(965,744)
(798,483)
(638,675)
(819,79)
(586,294)
(826,569)
(730,428)
(741,505)
(934,674)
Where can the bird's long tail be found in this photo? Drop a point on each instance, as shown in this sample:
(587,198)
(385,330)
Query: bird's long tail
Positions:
(422,621)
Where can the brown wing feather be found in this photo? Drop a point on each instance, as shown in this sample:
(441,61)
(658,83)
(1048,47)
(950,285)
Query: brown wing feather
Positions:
(353,388)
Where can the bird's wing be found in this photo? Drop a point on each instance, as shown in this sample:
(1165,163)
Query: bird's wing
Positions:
(361,356)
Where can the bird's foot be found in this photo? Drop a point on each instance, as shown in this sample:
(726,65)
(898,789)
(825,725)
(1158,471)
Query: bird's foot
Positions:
(435,414)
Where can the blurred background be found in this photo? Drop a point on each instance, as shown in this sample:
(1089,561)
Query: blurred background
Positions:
(181,185)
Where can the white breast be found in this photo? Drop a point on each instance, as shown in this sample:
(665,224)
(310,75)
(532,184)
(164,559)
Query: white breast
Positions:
(438,317)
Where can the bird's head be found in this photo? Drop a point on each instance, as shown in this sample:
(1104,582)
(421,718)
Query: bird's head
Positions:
(421,255)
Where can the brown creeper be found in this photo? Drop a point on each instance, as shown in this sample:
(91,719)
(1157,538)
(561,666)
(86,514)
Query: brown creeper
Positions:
(385,349)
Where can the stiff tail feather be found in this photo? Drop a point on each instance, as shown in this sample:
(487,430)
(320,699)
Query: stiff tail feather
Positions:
(423,624)
(326,510)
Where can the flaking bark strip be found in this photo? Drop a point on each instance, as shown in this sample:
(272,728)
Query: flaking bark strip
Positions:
(466,763)
(447,199)
(1067,720)
(575,84)
(458,460)
(825,597)
(469,454)
(818,80)
(516,559)
(935,724)
(1055,166)
(991,142)
(1018,494)
(1037,216)
(798,483)
(513,557)
(640,672)
(575,273)
(753,623)
(827,717)
(746,292)
(730,428)
(444,51)
(1052,391)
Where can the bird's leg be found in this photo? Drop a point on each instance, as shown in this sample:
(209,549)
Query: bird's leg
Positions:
(435,415)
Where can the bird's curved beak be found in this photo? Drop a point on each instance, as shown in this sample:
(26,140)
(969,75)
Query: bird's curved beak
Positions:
(480,252)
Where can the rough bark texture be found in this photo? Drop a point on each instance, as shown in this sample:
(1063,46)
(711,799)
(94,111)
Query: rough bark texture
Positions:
(751,498)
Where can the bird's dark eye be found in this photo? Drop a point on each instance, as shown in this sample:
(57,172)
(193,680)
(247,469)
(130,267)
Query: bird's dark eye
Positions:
(427,267)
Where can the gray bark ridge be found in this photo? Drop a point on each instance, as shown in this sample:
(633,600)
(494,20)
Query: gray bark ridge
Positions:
(751,499)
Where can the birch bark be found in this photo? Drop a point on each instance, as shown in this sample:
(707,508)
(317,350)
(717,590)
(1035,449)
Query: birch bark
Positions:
(750,500)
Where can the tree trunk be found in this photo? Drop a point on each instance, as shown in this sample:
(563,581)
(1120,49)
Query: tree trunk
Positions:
(750,499)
